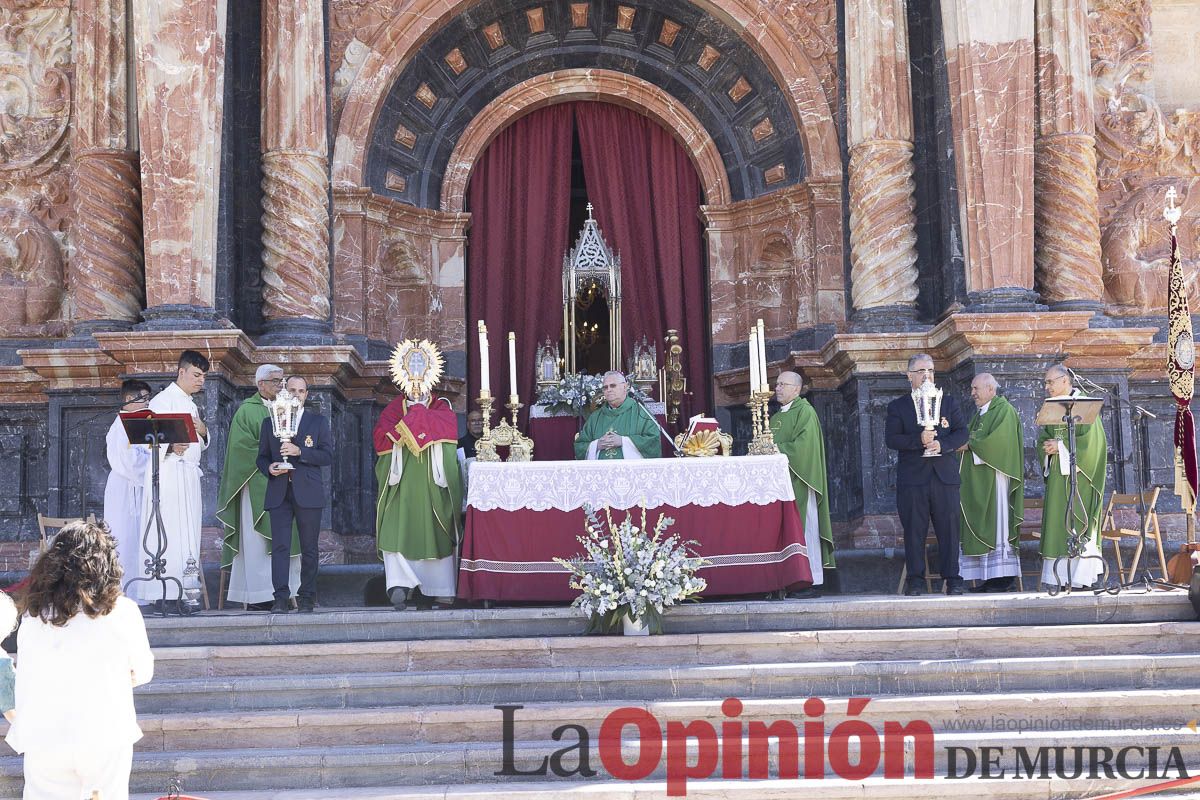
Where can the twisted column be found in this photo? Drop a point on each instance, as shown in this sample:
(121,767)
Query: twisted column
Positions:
(883,238)
(1067,225)
(295,235)
(106,267)
(295,183)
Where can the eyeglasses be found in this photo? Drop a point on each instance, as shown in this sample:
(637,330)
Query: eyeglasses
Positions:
(926,371)
(141,398)
(611,385)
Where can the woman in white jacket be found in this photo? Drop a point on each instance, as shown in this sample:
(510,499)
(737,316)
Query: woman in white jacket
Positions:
(81,649)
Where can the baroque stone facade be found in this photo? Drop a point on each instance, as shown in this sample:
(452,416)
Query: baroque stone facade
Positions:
(880,177)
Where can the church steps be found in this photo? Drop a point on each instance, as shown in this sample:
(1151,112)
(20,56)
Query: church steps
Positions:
(831,613)
(827,789)
(866,678)
(675,650)
(535,722)
(288,767)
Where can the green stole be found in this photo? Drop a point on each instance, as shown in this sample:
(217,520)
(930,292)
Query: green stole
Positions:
(797,433)
(624,420)
(241,471)
(1091,456)
(996,440)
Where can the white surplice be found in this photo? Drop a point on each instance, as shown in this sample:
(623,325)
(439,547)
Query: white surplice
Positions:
(180,503)
(128,465)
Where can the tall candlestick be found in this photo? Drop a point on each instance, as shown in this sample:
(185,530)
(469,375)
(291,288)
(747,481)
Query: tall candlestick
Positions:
(485,365)
(762,354)
(512,366)
(755,377)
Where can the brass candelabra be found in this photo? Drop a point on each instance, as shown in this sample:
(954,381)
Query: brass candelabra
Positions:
(504,434)
(763,442)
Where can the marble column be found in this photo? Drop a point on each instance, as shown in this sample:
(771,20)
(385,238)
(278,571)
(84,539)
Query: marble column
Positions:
(295,170)
(1066,215)
(883,239)
(180,87)
(990,70)
(105,281)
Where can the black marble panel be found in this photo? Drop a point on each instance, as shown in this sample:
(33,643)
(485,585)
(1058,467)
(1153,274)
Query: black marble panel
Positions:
(78,467)
(239,213)
(24,455)
(600,45)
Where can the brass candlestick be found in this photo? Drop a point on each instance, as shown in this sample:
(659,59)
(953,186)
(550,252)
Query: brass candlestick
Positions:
(763,443)
(485,445)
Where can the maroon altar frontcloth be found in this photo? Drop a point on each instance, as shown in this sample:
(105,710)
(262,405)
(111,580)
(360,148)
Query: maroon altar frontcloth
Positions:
(740,511)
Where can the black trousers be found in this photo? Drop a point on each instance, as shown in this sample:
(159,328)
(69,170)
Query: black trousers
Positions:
(917,506)
(308,524)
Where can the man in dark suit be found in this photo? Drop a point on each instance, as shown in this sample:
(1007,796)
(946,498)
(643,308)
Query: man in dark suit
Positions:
(927,488)
(297,494)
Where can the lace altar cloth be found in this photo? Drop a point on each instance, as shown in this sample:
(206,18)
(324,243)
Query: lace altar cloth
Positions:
(675,482)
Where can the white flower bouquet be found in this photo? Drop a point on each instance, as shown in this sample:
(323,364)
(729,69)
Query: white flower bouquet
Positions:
(578,393)
(630,569)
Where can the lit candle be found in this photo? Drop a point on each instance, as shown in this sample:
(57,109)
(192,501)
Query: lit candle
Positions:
(762,354)
(485,366)
(755,378)
(512,367)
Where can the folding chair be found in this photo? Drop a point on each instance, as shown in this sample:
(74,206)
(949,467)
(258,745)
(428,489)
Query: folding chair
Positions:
(1110,531)
(1030,534)
(45,524)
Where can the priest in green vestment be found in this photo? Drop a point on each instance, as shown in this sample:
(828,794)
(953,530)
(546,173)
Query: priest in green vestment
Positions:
(1091,456)
(620,428)
(246,551)
(797,433)
(992,496)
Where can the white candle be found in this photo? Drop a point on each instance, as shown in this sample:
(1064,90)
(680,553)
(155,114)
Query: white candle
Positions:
(762,355)
(512,367)
(485,366)
(755,378)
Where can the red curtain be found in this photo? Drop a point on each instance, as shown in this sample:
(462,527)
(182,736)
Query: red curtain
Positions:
(519,197)
(647,198)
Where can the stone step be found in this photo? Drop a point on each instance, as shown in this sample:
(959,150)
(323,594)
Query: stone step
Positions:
(983,713)
(834,678)
(674,649)
(826,789)
(831,613)
(413,765)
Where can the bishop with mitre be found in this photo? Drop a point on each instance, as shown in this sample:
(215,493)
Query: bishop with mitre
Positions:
(620,428)
(418,514)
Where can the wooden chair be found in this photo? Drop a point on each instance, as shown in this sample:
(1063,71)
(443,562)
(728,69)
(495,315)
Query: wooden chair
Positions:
(1030,535)
(55,524)
(1110,531)
(930,575)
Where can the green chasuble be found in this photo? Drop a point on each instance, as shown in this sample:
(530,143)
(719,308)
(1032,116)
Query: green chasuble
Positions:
(624,420)
(996,440)
(415,517)
(797,433)
(240,472)
(1091,456)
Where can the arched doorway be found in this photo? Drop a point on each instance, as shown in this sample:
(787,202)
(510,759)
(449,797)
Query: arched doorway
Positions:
(526,202)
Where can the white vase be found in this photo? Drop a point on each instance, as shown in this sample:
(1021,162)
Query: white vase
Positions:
(634,627)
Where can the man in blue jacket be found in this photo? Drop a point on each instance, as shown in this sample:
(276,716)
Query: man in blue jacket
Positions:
(927,488)
(295,495)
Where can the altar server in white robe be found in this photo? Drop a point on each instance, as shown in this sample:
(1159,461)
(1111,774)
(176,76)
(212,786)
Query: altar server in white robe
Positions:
(180,504)
(128,464)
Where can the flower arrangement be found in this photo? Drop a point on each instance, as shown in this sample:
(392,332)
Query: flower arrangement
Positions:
(629,569)
(578,393)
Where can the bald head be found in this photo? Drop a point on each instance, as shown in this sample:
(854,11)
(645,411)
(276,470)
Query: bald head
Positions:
(983,389)
(788,386)
(1058,381)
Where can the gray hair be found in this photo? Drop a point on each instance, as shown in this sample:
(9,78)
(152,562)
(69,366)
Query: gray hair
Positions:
(1058,371)
(919,357)
(264,372)
(618,373)
(989,380)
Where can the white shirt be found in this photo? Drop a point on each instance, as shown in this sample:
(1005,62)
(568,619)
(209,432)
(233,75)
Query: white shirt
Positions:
(75,682)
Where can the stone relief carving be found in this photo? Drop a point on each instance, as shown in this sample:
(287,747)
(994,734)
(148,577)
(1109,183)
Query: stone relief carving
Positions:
(814,25)
(31,276)
(410,299)
(1138,146)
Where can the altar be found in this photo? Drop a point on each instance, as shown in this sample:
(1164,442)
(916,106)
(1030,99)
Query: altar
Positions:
(553,432)
(741,512)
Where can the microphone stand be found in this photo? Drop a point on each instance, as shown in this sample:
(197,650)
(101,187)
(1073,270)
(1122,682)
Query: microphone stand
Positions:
(1075,538)
(156,564)
(661,429)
